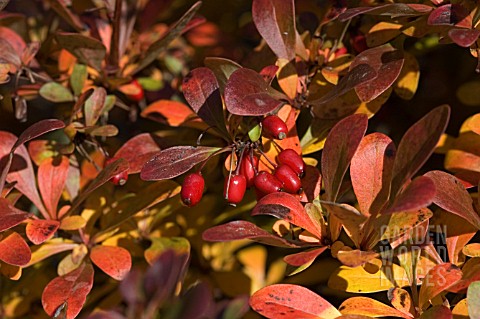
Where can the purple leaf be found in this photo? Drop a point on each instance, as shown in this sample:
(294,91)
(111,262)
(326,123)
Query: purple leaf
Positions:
(275,21)
(248,94)
(387,63)
(450,14)
(175,161)
(340,146)
(464,37)
(418,194)
(137,151)
(417,145)
(245,230)
(36,130)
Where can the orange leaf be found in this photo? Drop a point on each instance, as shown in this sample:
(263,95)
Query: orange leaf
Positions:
(438,279)
(114,261)
(40,230)
(14,250)
(172,112)
(51,181)
(368,307)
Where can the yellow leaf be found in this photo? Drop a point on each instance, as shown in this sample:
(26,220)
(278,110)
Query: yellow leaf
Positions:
(467,93)
(368,307)
(287,77)
(460,311)
(73,222)
(406,84)
(381,33)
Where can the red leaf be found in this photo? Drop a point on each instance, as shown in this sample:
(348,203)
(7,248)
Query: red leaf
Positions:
(245,230)
(114,261)
(51,181)
(288,207)
(247,94)
(10,216)
(38,129)
(40,230)
(394,10)
(174,161)
(304,257)
(340,146)
(417,145)
(371,171)
(269,73)
(387,63)
(21,170)
(104,176)
(275,21)
(437,312)
(201,91)
(450,14)
(173,113)
(14,250)
(464,37)
(138,150)
(291,302)
(311,184)
(68,291)
(418,194)
(437,280)
(452,196)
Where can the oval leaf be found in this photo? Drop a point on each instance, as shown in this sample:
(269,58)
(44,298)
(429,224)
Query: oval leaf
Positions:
(14,250)
(340,146)
(40,230)
(55,92)
(437,280)
(138,150)
(368,307)
(173,113)
(304,257)
(94,106)
(174,161)
(52,177)
(418,194)
(114,261)
(36,130)
(464,37)
(69,290)
(473,299)
(247,94)
(291,302)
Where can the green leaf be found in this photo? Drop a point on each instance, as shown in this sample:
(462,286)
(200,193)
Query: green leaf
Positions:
(55,92)
(473,299)
(78,77)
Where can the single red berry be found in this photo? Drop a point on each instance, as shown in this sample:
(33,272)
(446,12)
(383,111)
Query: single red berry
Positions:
(236,188)
(291,158)
(192,189)
(290,180)
(138,96)
(248,168)
(273,126)
(121,178)
(267,183)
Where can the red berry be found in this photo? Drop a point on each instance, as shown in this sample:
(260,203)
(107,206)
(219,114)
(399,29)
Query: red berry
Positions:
(273,126)
(192,189)
(248,169)
(291,158)
(286,175)
(267,183)
(138,96)
(236,189)
(121,178)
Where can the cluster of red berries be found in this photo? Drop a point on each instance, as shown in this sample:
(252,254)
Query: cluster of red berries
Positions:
(286,176)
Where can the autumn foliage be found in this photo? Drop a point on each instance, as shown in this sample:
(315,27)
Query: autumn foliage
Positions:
(266,158)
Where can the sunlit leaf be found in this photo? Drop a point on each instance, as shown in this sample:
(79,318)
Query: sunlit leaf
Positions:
(355,258)
(40,230)
(348,216)
(70,290)
(304,257)
(175,161)
(401,300)
(437,280)
(275,21)
(14,250)
(173,113)
(368,307)
(338,151)
(291,301)
(113,260)
(418,194)
(50,248)
(406,84)
(72,222)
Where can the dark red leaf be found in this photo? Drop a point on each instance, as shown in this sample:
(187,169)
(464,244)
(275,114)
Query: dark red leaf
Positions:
(288,207)
(197,302)
(418,194)
(103,177)
(291,302)
(68,291)
(358,75)
(452,196)
(417,145)
(52,176)
(201,91)
(113,260)
(14,250)
(371,172)
(340,146)
(275,21)
(464,37)
(393,10)
(304,257)
(222,68)
(138,150)
(387,63)
(245,230)
(175,161)
(311,184)
(269,73)
(36,130)
(247,94)
(41,230)
(450,14)
(10,216)
(87,50)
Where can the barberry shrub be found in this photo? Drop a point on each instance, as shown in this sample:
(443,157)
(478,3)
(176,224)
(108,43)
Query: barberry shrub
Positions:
(289,169)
